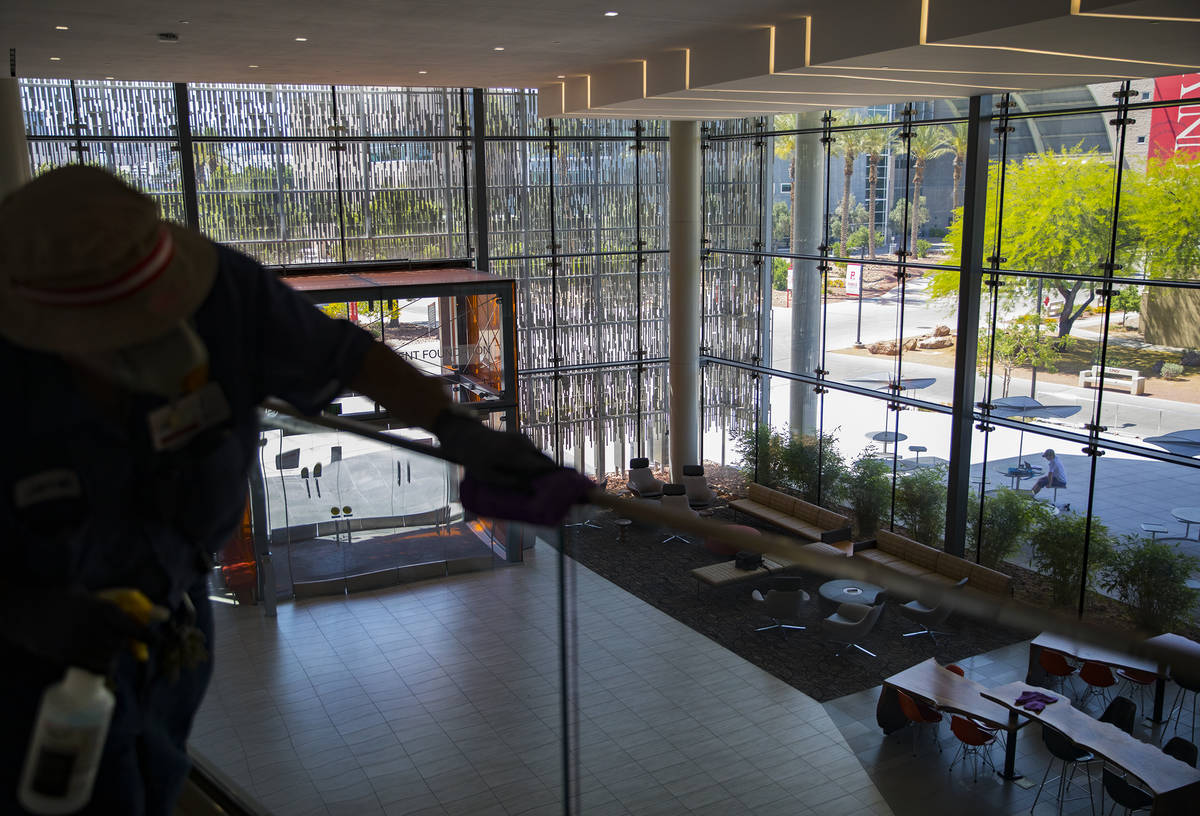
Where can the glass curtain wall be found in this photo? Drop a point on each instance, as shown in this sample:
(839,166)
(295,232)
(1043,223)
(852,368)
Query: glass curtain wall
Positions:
(577,215)
(1086,343)
(287,174)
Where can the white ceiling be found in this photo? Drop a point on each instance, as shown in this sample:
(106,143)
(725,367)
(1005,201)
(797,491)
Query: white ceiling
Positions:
(657,58)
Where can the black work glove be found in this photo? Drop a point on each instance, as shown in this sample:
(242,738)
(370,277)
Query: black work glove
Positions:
(73,628)
(500,458)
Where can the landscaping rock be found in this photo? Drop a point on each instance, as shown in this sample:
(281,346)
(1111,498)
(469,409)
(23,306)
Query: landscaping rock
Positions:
(1190,357)
(941,331)
(936,342)
(911,344)
(885,347)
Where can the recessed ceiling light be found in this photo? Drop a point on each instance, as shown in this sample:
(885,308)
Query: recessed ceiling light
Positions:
(110,77)
(56,59)
(611,13)
(422,72)
(498,48)
(62,28)
(302,39)
(562,76)
(251,66)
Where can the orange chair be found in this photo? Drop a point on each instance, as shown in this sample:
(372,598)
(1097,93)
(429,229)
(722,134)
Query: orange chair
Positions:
(1056,665)
(973,741)
(1099,679)
(957,669)
(920,714)
(1135,680)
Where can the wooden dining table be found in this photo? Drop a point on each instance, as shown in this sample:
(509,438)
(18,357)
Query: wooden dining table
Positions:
(1174,784)
(1084,652)
(934,684)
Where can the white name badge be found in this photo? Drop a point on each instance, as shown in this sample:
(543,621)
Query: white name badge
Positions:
(173,425)
(46,486)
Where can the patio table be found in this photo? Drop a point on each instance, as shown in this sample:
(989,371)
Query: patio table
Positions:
(1019,473)
(1189,516)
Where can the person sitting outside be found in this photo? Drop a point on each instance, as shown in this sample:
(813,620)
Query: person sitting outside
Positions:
(1056,474)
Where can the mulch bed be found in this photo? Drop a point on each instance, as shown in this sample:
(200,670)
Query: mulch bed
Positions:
(659,575)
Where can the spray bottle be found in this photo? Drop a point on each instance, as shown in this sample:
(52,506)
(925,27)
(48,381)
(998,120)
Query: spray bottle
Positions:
(72,724)
(67,742)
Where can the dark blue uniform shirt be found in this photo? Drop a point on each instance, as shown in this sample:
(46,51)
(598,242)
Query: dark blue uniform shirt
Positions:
(140,517)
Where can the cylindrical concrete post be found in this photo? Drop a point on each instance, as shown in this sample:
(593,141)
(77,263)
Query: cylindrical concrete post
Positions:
(807,233)
(684,370)
(14,155)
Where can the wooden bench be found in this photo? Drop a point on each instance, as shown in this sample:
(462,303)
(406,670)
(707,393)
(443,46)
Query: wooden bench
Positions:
(1114,376)
(808,521)
(913,558)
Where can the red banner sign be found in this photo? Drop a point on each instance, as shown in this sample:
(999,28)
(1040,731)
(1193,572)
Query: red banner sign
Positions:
(1176,129)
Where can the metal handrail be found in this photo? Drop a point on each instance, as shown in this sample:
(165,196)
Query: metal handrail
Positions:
(1009,613)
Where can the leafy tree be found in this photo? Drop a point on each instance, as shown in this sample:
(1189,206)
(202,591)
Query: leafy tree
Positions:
(851,143)
(917,216)
(859,238)
(1162,206)
(1021,344)
(957,142)
(927,143)
(779,267)
(1127,299)
(875,142)
(1057,219)
(781,223)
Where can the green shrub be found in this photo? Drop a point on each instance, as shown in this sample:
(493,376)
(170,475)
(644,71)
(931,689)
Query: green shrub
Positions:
(923,247)
(1057,542)
(868,490)
(790,463)
(921,504)
(802,455)
(760,453)
(1172,370)
(1008,516)
(1151,577)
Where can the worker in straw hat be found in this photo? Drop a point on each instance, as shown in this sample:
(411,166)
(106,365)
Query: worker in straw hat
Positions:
(134,353)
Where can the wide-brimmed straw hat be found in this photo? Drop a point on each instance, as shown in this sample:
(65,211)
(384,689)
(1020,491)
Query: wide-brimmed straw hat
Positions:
(87,265)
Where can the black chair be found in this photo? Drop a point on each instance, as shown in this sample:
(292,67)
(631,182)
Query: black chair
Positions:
(1121,712)
(1187,685)
(1062,749)
(1182,750)
(1131,797)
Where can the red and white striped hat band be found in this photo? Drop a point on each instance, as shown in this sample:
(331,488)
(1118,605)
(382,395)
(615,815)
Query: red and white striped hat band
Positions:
(140,275)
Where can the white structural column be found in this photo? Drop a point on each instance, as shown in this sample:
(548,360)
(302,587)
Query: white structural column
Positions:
(14,156)
(684,373)
(807,207)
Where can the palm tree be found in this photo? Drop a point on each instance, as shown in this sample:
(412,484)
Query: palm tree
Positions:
(852,145)
(926,143)
(957,140)
(875,143)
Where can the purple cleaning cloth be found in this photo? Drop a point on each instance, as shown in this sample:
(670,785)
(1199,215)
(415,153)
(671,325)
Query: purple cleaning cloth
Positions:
(1035,701)
(546,504)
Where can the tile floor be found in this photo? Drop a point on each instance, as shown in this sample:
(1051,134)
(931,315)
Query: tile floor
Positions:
(442,698)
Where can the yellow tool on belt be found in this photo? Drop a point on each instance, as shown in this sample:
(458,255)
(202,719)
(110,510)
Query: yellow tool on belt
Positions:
(137,606)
